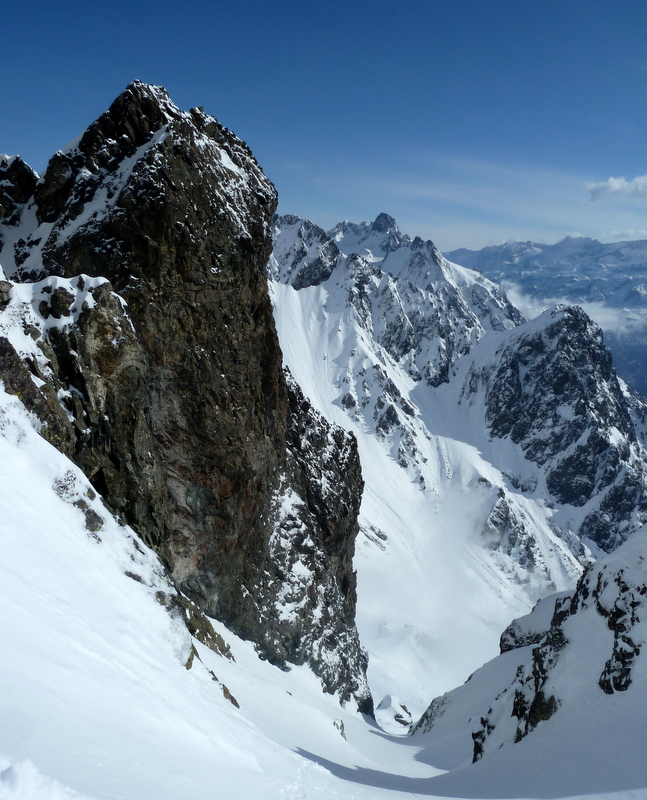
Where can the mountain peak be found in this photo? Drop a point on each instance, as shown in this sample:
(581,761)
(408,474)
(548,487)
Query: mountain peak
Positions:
(384,223)
(136,113)
(17,182)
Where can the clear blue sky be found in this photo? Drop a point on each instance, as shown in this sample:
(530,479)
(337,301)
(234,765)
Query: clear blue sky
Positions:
(471,122)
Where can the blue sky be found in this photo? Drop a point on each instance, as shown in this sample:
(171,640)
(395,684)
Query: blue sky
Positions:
(471,122)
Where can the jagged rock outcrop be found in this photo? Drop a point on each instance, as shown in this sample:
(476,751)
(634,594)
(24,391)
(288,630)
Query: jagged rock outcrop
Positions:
(17,183)
(424,311)
(303,253)
(616,592)
(165,384)
(320,492)
(569,650)
(380,236)
(553,391)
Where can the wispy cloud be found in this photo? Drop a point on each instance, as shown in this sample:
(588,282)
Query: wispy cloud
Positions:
(625,329)
(458,201)
(626,233)
(636,187)
(622,322)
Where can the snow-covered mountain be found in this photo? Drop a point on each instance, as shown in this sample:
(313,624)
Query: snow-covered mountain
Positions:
(511,445)
(583,269)
(197,540)
(137,325)
(572,668)
(422,310)
(608,280)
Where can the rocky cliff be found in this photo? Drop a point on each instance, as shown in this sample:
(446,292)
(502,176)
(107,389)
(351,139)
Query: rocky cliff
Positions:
(137,326)
(570,652)
(552,390)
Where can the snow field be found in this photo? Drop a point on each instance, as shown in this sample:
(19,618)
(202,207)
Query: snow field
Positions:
(96,701)
(432,601)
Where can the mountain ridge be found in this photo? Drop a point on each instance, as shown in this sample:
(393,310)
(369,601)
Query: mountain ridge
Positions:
(354,334)
(374,450)
(166,383)
(608,280)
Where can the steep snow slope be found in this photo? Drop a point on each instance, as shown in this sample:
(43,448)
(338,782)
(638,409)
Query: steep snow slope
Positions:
(457,534)
(496,453)
(569,690)
(97,703)
(95,694)
(431,600)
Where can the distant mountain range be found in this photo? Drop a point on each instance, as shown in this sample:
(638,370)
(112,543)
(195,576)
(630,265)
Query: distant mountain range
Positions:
(608,280)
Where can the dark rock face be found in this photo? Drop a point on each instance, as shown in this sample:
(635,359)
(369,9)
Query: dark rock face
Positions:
(615,591)
(383,223)
(554,392)
(321,491)
(309,257)
(17,184)
(569,361)
(175,403)
(17,378)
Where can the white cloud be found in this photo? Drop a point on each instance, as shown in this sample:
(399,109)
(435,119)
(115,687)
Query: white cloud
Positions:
(623,322)
(625,235)
(636,187)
